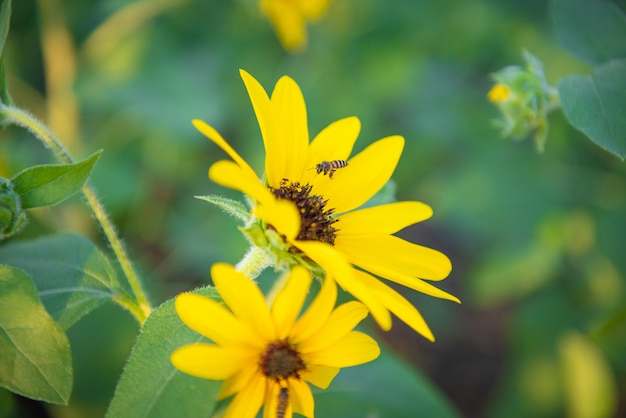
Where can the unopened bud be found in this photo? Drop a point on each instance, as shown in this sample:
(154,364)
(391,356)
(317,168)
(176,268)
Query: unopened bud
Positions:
(524,99)
(12,217)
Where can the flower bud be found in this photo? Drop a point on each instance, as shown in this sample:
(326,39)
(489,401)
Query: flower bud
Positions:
(12,218)
(524,99)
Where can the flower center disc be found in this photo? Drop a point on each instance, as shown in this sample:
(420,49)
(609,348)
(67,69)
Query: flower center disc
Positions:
(316,222)
(281,361)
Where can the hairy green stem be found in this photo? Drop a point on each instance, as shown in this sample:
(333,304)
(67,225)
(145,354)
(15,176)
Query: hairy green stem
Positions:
(254,262)
(37,128)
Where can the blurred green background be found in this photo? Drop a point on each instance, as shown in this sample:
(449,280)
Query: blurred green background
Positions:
(536,240)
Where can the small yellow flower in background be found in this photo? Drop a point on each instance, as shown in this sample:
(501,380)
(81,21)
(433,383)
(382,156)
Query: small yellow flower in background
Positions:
(524,98)
(305,211)
(290,18)
(266,355)
(498,93)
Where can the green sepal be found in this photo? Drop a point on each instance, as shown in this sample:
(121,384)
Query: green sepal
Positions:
(230,206)
(150,386)
(45,185)
(596,104)
(255,233)
(36,361)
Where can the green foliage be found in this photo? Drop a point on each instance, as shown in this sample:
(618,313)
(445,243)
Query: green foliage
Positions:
(386,387)
(594,31)
(398,74)
(36,361)
(72,276)
(45,185)
(150,385)
(596,104)
(5,17)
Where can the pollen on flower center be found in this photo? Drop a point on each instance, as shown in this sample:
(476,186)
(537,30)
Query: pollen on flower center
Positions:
(316,222)
(281,361)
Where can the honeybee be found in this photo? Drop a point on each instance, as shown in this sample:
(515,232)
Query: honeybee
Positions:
(329,167)
(283,402)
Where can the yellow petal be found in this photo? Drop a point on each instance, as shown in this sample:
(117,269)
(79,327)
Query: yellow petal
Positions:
(210,132)
(229,174)
(317,313)
(292,142)
(353,349)
(499,93)
(383,219)
(397,304)
(320,375)
(248,401)
(337,268)
(282,215)
(289,300)
(210,361)
(301,397)
(266,118)
(272,399)
(288,23)
(245,300)
(313,9)
(411,282)
(341,322)
(334,142)
(238,381)
(365,175)
(392,253)
(211,319)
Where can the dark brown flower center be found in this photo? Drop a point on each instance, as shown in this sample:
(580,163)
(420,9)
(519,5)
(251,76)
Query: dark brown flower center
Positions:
(316,221)
(281,361)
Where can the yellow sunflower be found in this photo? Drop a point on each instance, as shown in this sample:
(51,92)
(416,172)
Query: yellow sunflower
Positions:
(290,17)
(266,355)
(305,212)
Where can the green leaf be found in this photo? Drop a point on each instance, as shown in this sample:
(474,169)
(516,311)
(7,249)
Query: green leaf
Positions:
(5,18)
(596,105)
(386,387)
(36,361)
(5,21)
(45,185)
(4,93)
(150,386)
(72,276)
(594,31)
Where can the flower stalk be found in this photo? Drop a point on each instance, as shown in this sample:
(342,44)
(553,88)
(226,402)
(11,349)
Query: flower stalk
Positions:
(19,117)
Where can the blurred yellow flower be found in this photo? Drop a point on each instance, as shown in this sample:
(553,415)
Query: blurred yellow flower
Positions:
(266,355)
(305,209)
(498,93)
(290,17)
(524,98)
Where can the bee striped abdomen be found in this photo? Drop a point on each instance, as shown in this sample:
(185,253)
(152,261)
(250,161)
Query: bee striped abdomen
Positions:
(329,167)
(283,402)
